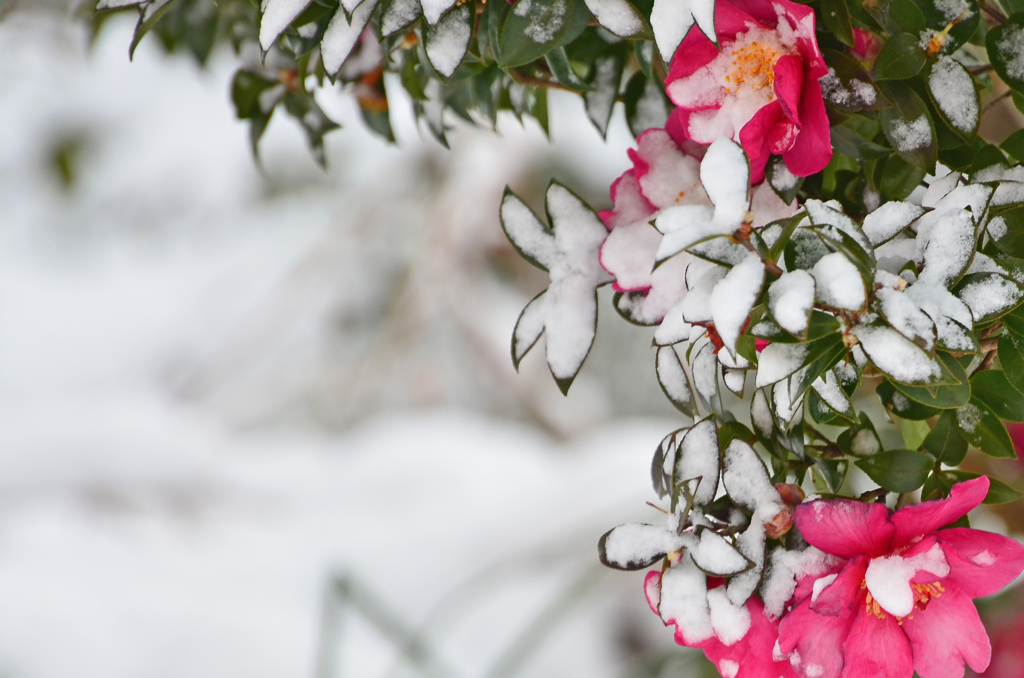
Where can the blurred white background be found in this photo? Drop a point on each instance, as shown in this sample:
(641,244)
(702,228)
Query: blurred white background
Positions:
(264,422)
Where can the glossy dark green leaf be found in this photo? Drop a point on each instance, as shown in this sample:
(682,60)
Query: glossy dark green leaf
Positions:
(532,29)
(1014,145)
(852,90)
(1012,240)
(945,442)
(829,474)
(861,439)
(899,178)
(900,58)
(782,181)
(836,18)
(1011,357)
(897,16)
(558,63)
(983,429)
(954,392)
(994,389)
(898,470)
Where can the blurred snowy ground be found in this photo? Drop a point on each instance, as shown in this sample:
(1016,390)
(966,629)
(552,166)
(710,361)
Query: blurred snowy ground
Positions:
(222,390)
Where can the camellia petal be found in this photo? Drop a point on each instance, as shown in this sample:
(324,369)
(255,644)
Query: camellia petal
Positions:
(845,527)
(945,634)
(813,640)
(920,519)
(876,648)
(980,563)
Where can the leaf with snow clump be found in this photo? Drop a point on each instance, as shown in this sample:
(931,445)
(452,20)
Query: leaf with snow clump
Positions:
(733,297)
(618,16)
(716,557)
(848,86)
(446,42)
(396,15)
(983,430)
(747,482)
(673,19)
(342,34)
(567,311)
(906,317)
(778,361)
(673,380)
(946,241)
(897,356)
(698,456)
(839,283)
(908,127)
(647,105)
(952,89)
(604,88)
(705,378)
(1005,45)
(634,546)
(535,27)
(822,355)
(989,295)
(829,390)
(433,10)
(889,220)
(277,16)
(791,300)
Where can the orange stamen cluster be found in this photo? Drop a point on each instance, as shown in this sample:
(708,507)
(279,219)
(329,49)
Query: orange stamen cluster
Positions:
(753,65)
(922,594)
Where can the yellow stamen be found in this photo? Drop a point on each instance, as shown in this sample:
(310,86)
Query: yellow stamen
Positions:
(753,65)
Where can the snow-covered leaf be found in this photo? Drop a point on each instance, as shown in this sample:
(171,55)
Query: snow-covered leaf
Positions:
(532,29)
(673,379)
(647,106)
(433,10)
(751,544)
(747,482)
(604,89)
(733,297)
(705,376)
(398,14)
(906,317)
(831,393)
(717,557)
(114,4)
(897,356)
(839,283)
(672,20)
(946,244)
(696,305)
(618,16)
(989,295)
(735,379)
(446,41)
(698,456)
(952,89)
(778,361)
(1005,45)
(634,546)
(791,300)
(567,311)
(886,222)
(343,33)
(726,178)
(277,15)
(684,600)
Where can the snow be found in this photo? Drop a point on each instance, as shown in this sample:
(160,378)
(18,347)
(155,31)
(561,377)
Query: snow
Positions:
(997,227)
(672,20)
(790,301)
(448,40)
(829,390)
(953,89)
(731,622)
(946,244)
(785,568)
(618,16)
(277,15)
(839,283)
(639,543)
(342,35)
(673,329)
(1011,48)
(820,584)
(884,223)
(672,377)
(778,361)
(896,355)
(543,25)
(699,457)
(859,93)
(751,543)
(684,600)
(399,14)
(888,578)
(725,176)
(906,317)
(705,373)
(747,481)
(910,135)
(992,294)
(433,10)
(728,668)
(865,443)
(696,305)
(734,296)
(716,556)
(527,232)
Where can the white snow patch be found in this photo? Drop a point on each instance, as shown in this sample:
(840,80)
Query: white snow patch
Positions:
(896,355)
(730,622)
(839,282)
(447,41)
(617,16)
(910,135)
(733,297)
(791,299)
(953,89)
(820,584)
(888,578)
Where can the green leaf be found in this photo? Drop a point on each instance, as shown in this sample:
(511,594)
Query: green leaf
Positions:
(914,433)
(897,16)
(994,389)
(950,33)
(900,58)
(860,440)
(1011,358)
(604,84)
(1012,217)
(828,475)
(851,141)
(901,405)
(788,227)
(899,178)
(1014,145)
(836,17)
(646,104)
(982,429)
(532,29)
(954,391)
(856,91)
(898,470)
(1005,45)
(944,441)
(558,62)
(1000,493)
(908,127)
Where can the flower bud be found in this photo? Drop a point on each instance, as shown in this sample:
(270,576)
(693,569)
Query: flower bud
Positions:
(780,524)
(790,493)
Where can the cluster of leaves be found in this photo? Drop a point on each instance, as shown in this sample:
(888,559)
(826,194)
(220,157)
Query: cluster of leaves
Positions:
(470,57)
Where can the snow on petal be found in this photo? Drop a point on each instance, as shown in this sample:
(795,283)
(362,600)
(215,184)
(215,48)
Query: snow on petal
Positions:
(733,297)
(277,15)
(888,578)
(684,602)
(342,35)
(730,622)
(790,301)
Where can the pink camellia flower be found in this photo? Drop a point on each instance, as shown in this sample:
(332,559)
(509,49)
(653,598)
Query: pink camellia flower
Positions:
(749,656)
(902,601)
(760,89)
(865,44)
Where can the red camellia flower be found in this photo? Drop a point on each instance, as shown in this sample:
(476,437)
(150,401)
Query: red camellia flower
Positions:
(760,89)
(901,602)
